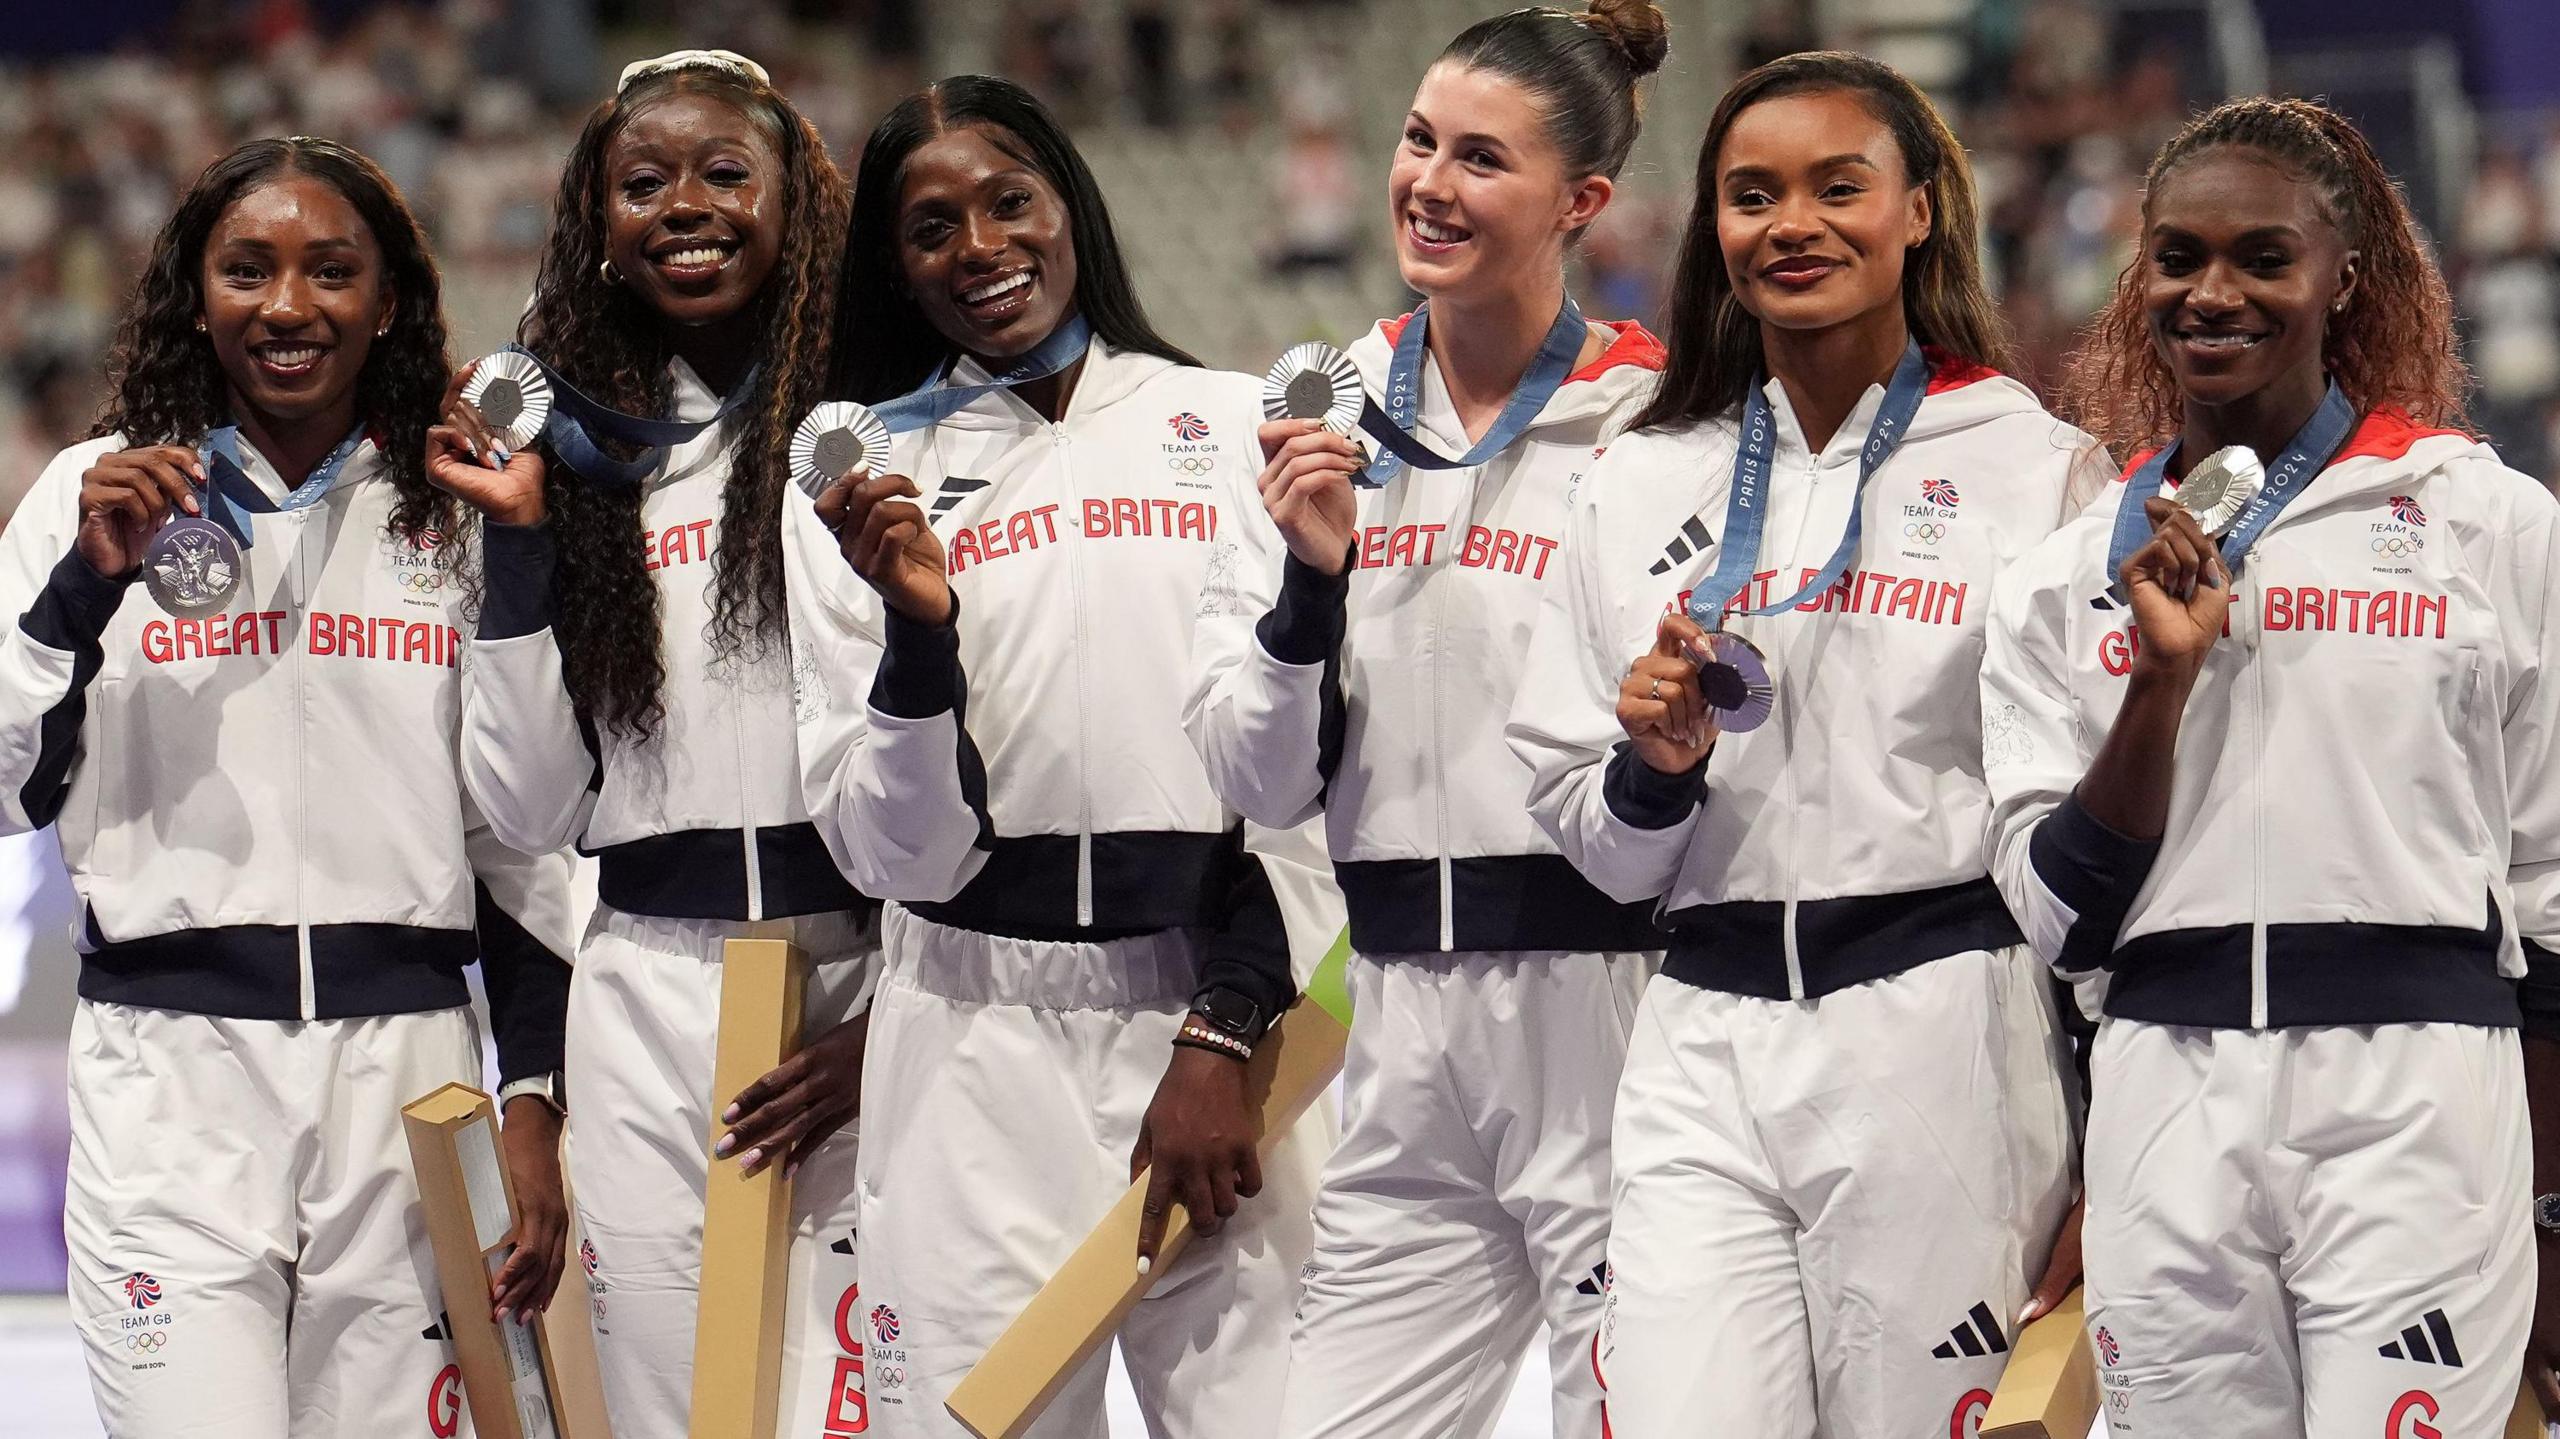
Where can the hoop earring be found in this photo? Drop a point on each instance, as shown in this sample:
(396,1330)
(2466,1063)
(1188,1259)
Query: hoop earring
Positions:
(610,275)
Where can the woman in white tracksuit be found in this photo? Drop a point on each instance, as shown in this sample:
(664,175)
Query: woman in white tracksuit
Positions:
(630,690)
(2291,788)
(1080,956)
(1842,1140)
(1364,671)
(270,966)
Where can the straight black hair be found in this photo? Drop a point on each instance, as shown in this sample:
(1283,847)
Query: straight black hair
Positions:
(883,345)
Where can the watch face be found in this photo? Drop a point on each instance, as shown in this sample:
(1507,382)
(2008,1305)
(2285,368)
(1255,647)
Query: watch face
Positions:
(1232,1013)
(2546,1211)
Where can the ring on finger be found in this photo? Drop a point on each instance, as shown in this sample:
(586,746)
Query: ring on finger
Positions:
(1655,692)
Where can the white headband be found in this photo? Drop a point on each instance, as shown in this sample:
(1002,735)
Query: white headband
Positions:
(692,60)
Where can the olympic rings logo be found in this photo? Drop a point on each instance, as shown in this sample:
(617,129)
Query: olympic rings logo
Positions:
(148,1341)
(1927,532)
(1191,464)
(422,581)
(2397,546)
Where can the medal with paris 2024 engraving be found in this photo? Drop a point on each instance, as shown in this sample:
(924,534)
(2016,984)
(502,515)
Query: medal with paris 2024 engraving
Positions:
(2220,487)
(513,394)
(192,567)
(1314,381)
(1733,681)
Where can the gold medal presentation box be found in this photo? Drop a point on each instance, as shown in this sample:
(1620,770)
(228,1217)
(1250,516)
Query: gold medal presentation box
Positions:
(522,1381)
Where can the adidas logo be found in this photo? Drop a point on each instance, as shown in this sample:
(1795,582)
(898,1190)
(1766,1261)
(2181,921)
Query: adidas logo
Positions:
(1597,1283)
(843,1246)
(2412,1343)
(1693,538)
(1978,1336)
(947,497)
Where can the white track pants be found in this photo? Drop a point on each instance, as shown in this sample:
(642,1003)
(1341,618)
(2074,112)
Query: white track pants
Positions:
(248,1257)
(1468,1200)
(644,1016)
(2317,1232)
(1005,1084)
(1830,1212)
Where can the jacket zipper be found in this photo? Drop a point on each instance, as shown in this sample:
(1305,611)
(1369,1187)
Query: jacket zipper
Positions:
(1084,785)
(2241,598)
(300,576)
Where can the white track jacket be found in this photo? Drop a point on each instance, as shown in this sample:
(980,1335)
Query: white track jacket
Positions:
(703,820)
(1021,771)
(261,809)
(1378,695)
(2364,827)
(1843,840)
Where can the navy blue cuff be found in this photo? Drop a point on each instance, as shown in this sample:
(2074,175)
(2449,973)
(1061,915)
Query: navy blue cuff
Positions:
(920,669)
(1306,622)
(2093,870)
(76,604)
(2539,992)
(1640,795)
(517,561)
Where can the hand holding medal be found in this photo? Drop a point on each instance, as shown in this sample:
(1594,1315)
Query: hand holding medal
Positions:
(1666,703)
(483,452)
(1308,473)
(127,503)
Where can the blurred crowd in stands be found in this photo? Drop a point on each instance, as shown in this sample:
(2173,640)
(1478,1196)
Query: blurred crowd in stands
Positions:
(469,104)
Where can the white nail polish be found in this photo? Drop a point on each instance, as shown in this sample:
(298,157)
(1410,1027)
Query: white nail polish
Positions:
(1146,1265)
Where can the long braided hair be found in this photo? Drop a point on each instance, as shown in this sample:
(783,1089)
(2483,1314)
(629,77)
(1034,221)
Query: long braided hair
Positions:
(2393,348)
(616,349)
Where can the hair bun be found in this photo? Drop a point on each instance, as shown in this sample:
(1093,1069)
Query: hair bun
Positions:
(1636,29)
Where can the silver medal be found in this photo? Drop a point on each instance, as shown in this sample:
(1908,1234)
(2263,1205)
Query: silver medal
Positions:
(838,436)
(1733,680)
(1314,381)
(512,394)
(2219,488)
(192,567)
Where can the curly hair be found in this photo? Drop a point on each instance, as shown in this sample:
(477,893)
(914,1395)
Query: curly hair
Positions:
(165,387)
(2392,349)
(616,349)
(1714,344)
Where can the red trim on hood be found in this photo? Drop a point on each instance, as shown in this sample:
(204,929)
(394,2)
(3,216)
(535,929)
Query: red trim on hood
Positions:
(1635,346)
(2381,435)
(1953,372)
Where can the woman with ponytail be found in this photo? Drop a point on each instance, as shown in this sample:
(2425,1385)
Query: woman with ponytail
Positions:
(2271,737)
(1843,1137)
(631,691)
(1361,666)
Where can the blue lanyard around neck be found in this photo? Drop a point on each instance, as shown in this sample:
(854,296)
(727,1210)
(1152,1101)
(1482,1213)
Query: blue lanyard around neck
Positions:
(2309,452)
(1393,429)
(1746,509)
(936,400)
(229,490)
(578,420)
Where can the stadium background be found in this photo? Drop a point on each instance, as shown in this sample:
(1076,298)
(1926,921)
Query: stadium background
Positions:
(1243,146)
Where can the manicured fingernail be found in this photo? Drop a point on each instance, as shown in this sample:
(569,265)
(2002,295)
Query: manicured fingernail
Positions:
(729,1115)
(1146,1265)
(749,1160)
(193,508)
(791,1169)
(727,1143)
(500,452)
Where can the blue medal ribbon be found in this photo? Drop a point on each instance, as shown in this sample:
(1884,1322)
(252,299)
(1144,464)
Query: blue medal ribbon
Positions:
(1746,510)
(579,419)
(2309,452)
(936,400)
(228,490)
(1393,429)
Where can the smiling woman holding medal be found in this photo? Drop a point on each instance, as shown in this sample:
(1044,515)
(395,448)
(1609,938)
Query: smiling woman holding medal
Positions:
(1842,1140)
(269,968)
(1081,955)
(1385,600)
(2273,749)
(631,689)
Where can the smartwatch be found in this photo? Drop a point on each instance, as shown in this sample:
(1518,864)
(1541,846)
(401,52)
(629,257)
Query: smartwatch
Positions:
(545,1086)
(1231,1014)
